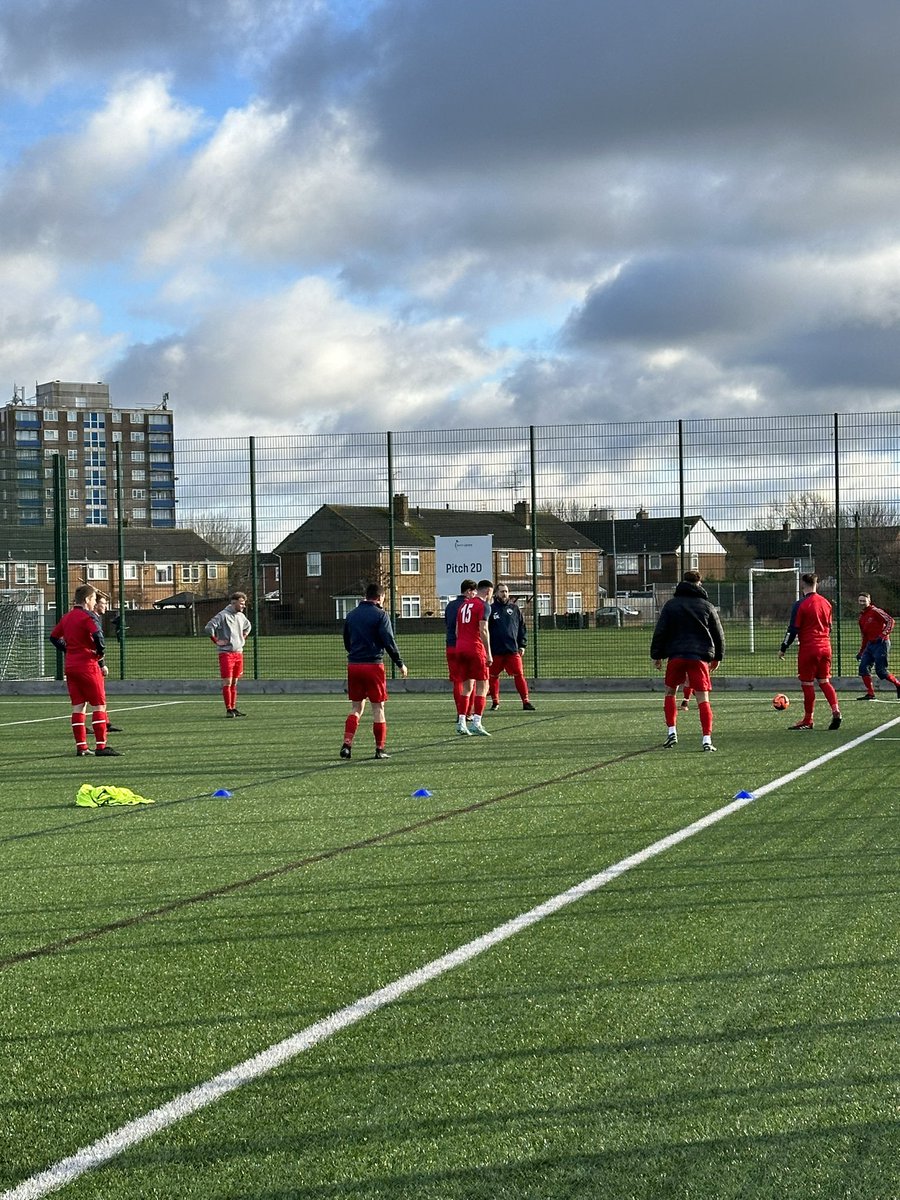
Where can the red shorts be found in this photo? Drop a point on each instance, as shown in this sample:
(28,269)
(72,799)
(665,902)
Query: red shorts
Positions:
(366,681)
(86,686)
(813,663)
(471,663)
(231,664)
(510,663)
(688,670)
(451,664)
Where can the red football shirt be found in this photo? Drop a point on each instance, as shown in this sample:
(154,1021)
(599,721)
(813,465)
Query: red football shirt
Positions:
(468,635)
(79,631)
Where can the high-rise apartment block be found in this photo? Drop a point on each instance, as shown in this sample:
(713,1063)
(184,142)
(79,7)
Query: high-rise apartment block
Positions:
(78,422)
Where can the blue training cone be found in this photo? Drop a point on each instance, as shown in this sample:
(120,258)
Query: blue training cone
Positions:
(223,792)
(423,792)
(744,796)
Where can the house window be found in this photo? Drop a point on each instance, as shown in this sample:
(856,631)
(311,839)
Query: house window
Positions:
(97,571)
(503,562)
(410,606)
(626,564)
(2,570)
(695,562)
(51,573)
(314,563)
(212,570)
(654,562)
(543,605)
(529,567)
(344,605)
(164,573)
(190,573)
(130,572)
(573,567)
(26,573)
(409,562)
(573,602)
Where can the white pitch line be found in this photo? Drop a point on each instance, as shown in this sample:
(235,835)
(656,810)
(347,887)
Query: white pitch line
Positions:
(89,1158)
(67,717)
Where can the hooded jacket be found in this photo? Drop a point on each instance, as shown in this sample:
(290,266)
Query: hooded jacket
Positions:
(688,627)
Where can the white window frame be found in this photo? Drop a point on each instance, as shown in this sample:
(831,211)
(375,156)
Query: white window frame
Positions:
(626,564)
(573,562)
(654,562)
(164,573)
(409,562)
(190,572)
(410,607)
(313,564)
(529,567)
(574,602)
(543,604)
(503,562)
(130,571)
(97,571)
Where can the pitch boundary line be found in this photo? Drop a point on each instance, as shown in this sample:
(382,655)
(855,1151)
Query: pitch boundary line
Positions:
(67,716)
(107,1148)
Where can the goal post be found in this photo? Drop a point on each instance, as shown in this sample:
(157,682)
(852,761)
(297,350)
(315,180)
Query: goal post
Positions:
(752,572)
(23,634)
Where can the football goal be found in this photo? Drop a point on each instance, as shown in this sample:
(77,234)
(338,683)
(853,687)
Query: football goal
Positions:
(753,603)
(23,637)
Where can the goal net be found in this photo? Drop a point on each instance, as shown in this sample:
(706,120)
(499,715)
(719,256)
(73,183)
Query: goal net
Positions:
(23,637)
(773,601)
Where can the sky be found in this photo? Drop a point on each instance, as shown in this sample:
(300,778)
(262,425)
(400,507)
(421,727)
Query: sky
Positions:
(296,216)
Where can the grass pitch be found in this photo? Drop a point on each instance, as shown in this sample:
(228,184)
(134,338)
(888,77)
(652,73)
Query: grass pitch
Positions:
(717,1022)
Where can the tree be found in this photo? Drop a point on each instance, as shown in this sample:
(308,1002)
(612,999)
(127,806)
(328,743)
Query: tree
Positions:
(232,539)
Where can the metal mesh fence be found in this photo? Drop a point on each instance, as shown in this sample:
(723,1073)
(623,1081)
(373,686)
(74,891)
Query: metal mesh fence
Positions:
(592,526)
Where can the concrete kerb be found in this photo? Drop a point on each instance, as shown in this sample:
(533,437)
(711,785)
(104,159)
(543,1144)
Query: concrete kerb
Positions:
(313,687)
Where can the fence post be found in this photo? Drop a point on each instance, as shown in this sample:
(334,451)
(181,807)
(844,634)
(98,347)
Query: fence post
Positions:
(60,549)
(120,550)
(254,559)
(392,578)
(535,618)
(837,544)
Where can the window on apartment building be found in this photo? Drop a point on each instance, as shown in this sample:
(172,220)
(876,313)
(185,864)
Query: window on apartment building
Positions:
(138,476)
(71,416)
(409,562)
(136,418)
(72,455)
(136,435)
(117,435)
(410,606)
(95,420)
(314,563)
(51,435)
(573,563)
(51,414)
(72,435)
(138,494)
(74,513)
(164,572)
(139,514)
(74,493)
(138,456)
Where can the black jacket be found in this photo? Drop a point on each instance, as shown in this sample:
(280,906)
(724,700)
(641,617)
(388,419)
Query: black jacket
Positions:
(688,627)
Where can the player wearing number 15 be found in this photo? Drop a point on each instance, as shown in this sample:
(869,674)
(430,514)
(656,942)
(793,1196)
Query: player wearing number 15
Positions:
(473,657)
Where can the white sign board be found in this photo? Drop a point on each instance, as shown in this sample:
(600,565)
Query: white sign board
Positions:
(459,558)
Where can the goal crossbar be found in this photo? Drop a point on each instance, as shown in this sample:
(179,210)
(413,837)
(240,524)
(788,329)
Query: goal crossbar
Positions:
(795,571)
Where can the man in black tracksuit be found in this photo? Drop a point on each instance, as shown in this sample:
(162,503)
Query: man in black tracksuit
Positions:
(508,636)
(689,634)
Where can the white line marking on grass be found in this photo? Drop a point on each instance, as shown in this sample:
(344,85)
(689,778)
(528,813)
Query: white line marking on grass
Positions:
(88,1158)
(67,717)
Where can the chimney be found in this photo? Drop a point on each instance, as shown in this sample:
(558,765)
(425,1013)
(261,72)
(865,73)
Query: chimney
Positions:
(401,508)
(522,513)
(786,530)
(642,515)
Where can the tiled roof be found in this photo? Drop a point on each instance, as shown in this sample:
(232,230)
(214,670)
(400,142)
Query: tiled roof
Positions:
(347,527)
(650,535)
(102,544)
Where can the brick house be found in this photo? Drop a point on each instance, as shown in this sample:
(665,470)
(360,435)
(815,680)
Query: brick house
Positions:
(328,560)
